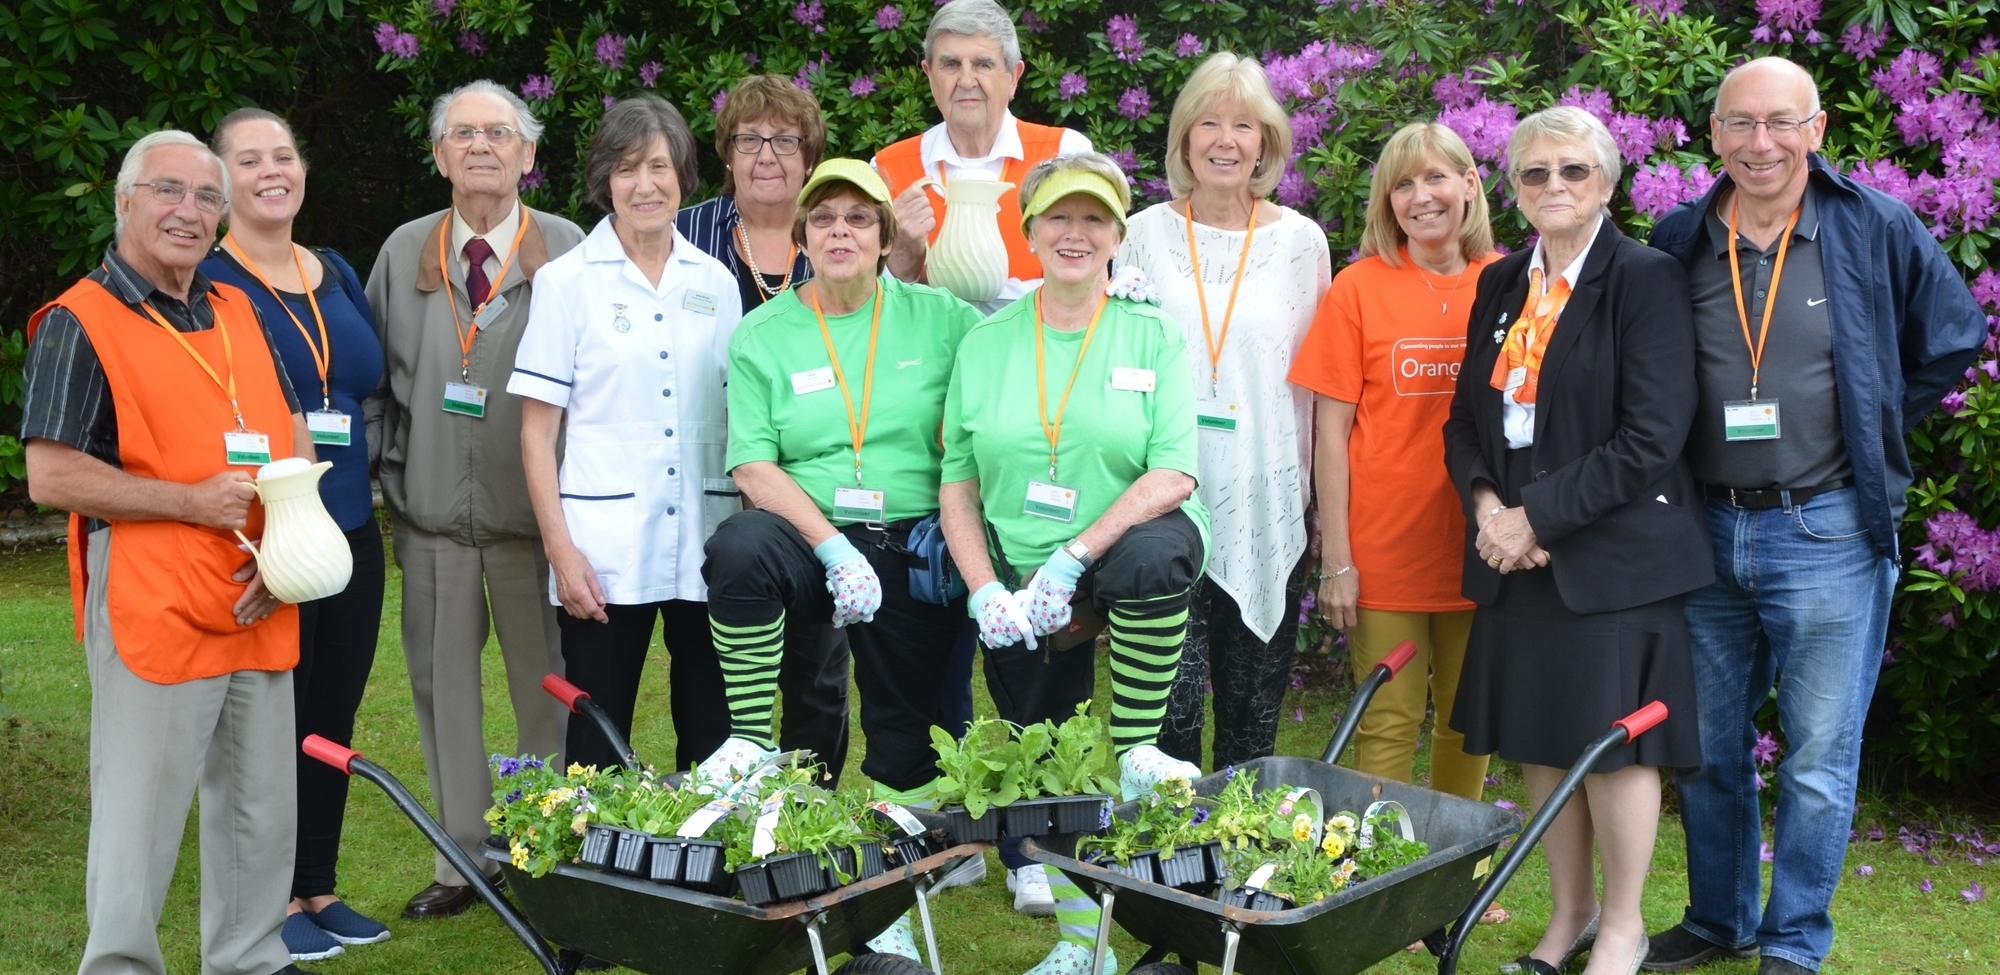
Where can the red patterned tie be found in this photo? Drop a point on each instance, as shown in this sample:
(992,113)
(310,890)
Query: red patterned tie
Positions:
(477,250)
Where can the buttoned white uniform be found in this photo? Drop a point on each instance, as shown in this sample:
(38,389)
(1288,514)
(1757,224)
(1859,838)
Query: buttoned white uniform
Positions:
(640,372)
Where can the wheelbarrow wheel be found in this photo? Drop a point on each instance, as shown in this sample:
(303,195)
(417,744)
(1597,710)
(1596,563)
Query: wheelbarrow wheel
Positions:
(1161,968)
(881,963)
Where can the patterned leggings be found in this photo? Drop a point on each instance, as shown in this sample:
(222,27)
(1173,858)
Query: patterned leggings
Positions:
(1248,675)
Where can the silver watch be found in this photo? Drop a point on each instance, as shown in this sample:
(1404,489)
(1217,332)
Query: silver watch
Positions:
(1075,549)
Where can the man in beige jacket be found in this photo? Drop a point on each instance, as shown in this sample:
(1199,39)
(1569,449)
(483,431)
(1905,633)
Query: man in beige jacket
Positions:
(450,294)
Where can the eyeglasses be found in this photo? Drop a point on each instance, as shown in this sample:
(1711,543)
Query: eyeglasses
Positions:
(750,144)
(857,219)
(1571,173)
(171,193)
(496,135)
(1744,125)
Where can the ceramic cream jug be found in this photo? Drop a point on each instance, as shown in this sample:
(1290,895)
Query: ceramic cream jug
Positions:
(304,556)
(968,258)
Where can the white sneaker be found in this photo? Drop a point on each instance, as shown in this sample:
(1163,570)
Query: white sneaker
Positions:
(722,770)
(1030,885)
(1144,767)
(1070,958)
(970,872)
(897,940)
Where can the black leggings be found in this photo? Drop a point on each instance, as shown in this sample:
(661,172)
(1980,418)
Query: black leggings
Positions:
(606,659)
(1248,676)
(336,651)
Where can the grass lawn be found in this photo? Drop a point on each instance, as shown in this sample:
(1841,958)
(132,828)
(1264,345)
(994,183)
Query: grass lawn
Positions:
(1886,922)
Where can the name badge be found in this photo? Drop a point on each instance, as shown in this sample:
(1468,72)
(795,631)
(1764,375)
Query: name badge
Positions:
(1051,501)
(1750,419)
(699,302)
(1134,380)
(330,427)
(1515,377)
(857,504)
(812,380)
(465,399)
(494,306)
(246,448)
(1215,416)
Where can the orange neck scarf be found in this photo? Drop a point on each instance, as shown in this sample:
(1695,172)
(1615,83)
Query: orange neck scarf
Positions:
(1528,340)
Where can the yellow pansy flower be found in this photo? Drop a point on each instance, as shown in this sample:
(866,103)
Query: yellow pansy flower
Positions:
(1333,845)
(1302,828)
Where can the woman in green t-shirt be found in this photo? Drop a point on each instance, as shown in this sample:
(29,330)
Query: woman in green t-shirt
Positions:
(1069,470)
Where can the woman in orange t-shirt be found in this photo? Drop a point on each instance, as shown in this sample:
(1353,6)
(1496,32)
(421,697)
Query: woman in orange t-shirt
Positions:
(1383,355)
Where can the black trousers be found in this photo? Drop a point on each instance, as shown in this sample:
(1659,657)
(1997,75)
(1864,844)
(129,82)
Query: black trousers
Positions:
(759,567)
(812,681)
(1248,674)
(606,659)
(336,651)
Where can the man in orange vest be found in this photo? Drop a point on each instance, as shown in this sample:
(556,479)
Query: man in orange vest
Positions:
(973,60)
(152,397)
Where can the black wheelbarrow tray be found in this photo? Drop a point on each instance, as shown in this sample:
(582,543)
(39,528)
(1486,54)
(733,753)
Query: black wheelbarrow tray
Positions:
(1364,923)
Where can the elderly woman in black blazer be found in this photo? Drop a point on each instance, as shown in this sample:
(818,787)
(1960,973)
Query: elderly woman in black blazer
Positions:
(1583,526)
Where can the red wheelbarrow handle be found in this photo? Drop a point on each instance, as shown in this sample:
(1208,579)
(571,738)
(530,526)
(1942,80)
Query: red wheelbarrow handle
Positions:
(1622,730)
(1383,672)
(337,755)
(563,691)
(578,701)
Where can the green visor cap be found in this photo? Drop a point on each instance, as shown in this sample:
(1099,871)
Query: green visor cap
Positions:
(854,171)
(1069,181)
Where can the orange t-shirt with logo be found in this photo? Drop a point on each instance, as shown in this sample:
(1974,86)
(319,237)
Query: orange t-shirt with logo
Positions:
(1379,341)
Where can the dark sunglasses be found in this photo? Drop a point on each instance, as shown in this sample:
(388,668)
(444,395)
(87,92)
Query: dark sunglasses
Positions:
(1571,173)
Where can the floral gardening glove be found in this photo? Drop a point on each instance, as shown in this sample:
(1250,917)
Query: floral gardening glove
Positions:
(1046,599)
(1132,284)
(857,591)
(1001,622)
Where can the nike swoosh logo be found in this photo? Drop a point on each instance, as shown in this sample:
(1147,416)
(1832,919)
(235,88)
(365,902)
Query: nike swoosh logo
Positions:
(1810,303)
(901,364)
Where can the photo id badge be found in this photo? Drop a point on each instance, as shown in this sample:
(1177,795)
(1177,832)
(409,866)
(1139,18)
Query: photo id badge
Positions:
(330,427)
(465,399)
(857,504)
(1750,419)
(1051,501)
(494,306)
(1210,415)
(246,448)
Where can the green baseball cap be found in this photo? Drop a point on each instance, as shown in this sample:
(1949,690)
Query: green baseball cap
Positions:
(1058,185)
(854,171)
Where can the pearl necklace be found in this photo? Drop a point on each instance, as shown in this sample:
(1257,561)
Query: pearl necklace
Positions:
(757,274)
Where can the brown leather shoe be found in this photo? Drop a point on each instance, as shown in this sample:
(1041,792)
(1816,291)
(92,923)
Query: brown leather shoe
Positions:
(438,900)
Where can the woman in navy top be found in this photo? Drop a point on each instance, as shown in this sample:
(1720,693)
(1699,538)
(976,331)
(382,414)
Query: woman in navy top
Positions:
(321,327)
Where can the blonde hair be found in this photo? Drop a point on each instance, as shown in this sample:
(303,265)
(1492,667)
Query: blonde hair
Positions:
(1566,125)
(1222,77)
(1409,149)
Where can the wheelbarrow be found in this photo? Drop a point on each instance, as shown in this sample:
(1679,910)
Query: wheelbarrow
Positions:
(1364,923)
(573,913)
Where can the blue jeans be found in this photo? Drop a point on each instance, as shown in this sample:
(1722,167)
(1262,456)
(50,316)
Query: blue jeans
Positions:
(1801,598)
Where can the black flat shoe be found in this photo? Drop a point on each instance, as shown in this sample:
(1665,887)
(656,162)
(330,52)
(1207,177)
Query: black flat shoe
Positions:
(1678,949)
(1584,940)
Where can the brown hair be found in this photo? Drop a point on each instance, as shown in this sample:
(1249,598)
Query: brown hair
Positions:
(825,191)
(218,141)
(769,98)
(629,127)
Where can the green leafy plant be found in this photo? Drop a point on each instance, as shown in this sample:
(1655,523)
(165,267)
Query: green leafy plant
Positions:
(1169,816)
(1389,849)
(1081,760)
(979,770)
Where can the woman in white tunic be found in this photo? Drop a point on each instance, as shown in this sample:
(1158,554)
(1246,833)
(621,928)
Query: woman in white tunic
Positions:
(1243,276)
(628,336)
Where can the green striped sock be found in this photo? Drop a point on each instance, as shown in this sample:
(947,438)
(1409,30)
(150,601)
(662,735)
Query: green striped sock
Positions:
(1146,639)
(750,657)
(1076,913)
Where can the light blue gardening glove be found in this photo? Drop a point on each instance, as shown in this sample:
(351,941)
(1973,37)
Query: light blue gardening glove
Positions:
(1001,621)
(1046,600)
(857,591)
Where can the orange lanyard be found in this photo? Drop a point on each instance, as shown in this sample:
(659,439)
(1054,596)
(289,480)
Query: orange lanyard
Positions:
(322,354)
(857,426)
(1216,342)
(444,265)
(228,359)
(1770,299)
(1053,431)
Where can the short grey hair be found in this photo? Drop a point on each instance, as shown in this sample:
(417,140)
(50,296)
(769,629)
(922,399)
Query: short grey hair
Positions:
(531,128)
(1566,125)
(1088,162)
(976,18)
(135,162)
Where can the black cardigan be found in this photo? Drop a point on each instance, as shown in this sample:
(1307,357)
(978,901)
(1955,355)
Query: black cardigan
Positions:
(1612,500)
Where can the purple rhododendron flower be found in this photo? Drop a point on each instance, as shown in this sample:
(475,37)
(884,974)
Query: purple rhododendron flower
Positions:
(1596,101)
(649,73)
(538,86)
(1986,289)
(1126,159)
(1670,133)
(1661,9)
(1188,46)
(1765,751)
(1909,76)
(1071,85)
(1510,807)
(721,99)
(1031,23)
(862,87)
(1633,135)
(889,18)
(533,179)
(472,42)
(1135,103)
(1122,32)
(395,42)
(1455,90)
(611,51)
(1659,188)
(1779,19)
(1295,190)
(1925,886)
(1956,544)
(1864,870)
(1764,853)
(1947,619)
(1485,126)
(1860,43)
(609,100)
(1159,189)
(444,7)
(1973,894)
(810,15)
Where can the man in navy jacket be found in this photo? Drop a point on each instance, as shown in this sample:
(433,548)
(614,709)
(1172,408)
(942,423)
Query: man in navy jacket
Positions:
(1828,323)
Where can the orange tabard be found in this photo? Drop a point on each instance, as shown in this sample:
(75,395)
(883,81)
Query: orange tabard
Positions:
(903,163)
(169,585)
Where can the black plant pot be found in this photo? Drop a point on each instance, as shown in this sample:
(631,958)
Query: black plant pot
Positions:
(965,829)
(873,863)
(1187,869)
(695,864)
(1025,817)
(787,877)
(1144,866)
(1080,814)
(1254,900)
(630,855)
(842,861)
(905,849)
(599,842)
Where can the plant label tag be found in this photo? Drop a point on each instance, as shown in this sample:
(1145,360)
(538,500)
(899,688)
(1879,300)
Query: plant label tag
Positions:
(857,504)
(1051,501)
(490,311)
(1261,876)
(1133,380)
(246,448)
(1211,415)
(1750,419)
(1373,817)
(465,399)
(812,380)
(703,818)
(1482,868)
(699,302)
(910,824)
(765,841)
(330,427)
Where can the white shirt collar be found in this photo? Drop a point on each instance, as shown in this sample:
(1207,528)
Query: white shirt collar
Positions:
(1575,267)
(501,237)
(936,147)
(603,245)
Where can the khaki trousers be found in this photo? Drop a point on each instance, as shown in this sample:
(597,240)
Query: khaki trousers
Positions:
(1386,742)
(150,744)
(447,590)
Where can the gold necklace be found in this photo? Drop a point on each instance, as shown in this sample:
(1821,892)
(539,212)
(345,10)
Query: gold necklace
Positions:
(1443,308)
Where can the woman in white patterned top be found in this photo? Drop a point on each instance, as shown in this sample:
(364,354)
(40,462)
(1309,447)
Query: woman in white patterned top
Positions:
(1243,276)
